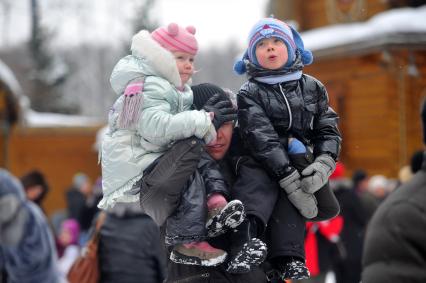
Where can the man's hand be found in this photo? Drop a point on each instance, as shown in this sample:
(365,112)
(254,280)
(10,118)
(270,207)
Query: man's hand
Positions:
(223,110)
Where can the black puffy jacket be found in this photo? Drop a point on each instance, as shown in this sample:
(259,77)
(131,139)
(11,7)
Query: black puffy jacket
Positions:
(269,114)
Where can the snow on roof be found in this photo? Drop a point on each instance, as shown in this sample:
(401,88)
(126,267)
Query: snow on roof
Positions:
(388,23)
(31,118)
(8,78)
(38,119)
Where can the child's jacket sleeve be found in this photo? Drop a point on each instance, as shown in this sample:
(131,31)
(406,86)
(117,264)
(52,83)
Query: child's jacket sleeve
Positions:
(214,181)
(159,125)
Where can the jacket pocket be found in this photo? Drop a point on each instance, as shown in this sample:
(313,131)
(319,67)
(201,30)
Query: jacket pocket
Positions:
(309,113)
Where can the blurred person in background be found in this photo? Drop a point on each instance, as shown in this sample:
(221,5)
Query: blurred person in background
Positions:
(395,246)
(416,161)
(368,200)
(27,250)
(130,247)
(68,247)
(404,174)
(35,186)
(322,245)
(81,203)
(347,263)
(378,186)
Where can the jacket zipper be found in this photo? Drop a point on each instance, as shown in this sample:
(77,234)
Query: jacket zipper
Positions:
(191,278)
(289,109)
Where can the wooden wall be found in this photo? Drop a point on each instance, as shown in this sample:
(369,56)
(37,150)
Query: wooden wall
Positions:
(57,152)
(318,13)
(378,102)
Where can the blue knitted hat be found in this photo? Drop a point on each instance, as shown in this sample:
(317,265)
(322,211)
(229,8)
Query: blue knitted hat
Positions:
(270,27)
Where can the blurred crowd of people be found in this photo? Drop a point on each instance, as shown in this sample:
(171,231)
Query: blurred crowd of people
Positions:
(33,246)
(335,247)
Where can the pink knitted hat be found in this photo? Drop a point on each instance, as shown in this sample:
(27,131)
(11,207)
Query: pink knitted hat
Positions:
(176,38)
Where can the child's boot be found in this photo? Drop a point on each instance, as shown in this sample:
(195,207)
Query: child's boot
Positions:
(247,251)
(197,253)
(293,268)
(222,215)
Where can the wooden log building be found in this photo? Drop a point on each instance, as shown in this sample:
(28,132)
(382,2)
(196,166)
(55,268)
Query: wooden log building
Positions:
(376,84)
(57,151)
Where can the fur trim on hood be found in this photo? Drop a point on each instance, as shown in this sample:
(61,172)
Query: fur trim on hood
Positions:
(160,58)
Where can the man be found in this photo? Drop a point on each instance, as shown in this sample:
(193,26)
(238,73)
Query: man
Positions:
(395,246)
(219,152)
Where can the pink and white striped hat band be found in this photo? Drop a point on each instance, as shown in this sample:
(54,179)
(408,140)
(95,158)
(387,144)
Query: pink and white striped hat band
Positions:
(176,38)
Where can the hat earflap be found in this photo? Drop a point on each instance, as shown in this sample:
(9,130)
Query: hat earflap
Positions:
(240,65)
(307,56)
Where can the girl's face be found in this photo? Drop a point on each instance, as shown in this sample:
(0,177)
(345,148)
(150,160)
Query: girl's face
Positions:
(185,65)
(271,53)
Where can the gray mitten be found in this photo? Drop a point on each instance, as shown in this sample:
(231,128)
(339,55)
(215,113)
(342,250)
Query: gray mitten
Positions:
(317,173)
(291,182)
(211,135)
(304,202)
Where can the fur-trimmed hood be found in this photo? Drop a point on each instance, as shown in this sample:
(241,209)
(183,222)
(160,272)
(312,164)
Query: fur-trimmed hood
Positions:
(148,58)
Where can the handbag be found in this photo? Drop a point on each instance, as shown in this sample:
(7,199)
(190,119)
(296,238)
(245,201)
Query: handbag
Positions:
(85,269)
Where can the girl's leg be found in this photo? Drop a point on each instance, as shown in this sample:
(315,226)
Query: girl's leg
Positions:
(186,231)
(164,180)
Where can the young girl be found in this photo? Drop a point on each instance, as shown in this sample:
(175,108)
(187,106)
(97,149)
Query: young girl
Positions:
(279,108)
(150,115)
(68,247)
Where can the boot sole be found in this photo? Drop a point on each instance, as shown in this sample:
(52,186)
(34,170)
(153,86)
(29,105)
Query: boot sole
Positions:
(295,271)
(230,217)
(177,257)
(252,254)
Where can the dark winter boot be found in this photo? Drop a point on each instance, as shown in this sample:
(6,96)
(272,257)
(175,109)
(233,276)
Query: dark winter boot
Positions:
(292,268)
(246,251)
(223,218)
(197,253)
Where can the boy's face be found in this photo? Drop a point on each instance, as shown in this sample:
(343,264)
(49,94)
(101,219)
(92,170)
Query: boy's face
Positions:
(271,53)
(185,65)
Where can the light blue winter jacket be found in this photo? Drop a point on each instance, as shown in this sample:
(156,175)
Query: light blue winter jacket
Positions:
(165,117)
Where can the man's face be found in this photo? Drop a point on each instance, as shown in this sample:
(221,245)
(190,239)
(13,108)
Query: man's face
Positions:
(223,141)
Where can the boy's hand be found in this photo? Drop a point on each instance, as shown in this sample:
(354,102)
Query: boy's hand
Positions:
(291,182)
(304,202)
(316,175)
(223,110)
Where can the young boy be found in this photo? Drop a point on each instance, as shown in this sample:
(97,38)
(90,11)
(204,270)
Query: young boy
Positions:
(279,103)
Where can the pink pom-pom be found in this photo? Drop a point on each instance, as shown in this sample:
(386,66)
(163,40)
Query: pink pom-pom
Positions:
(191,29)
(173,29)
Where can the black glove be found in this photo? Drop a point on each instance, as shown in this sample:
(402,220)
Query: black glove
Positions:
(223,110)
